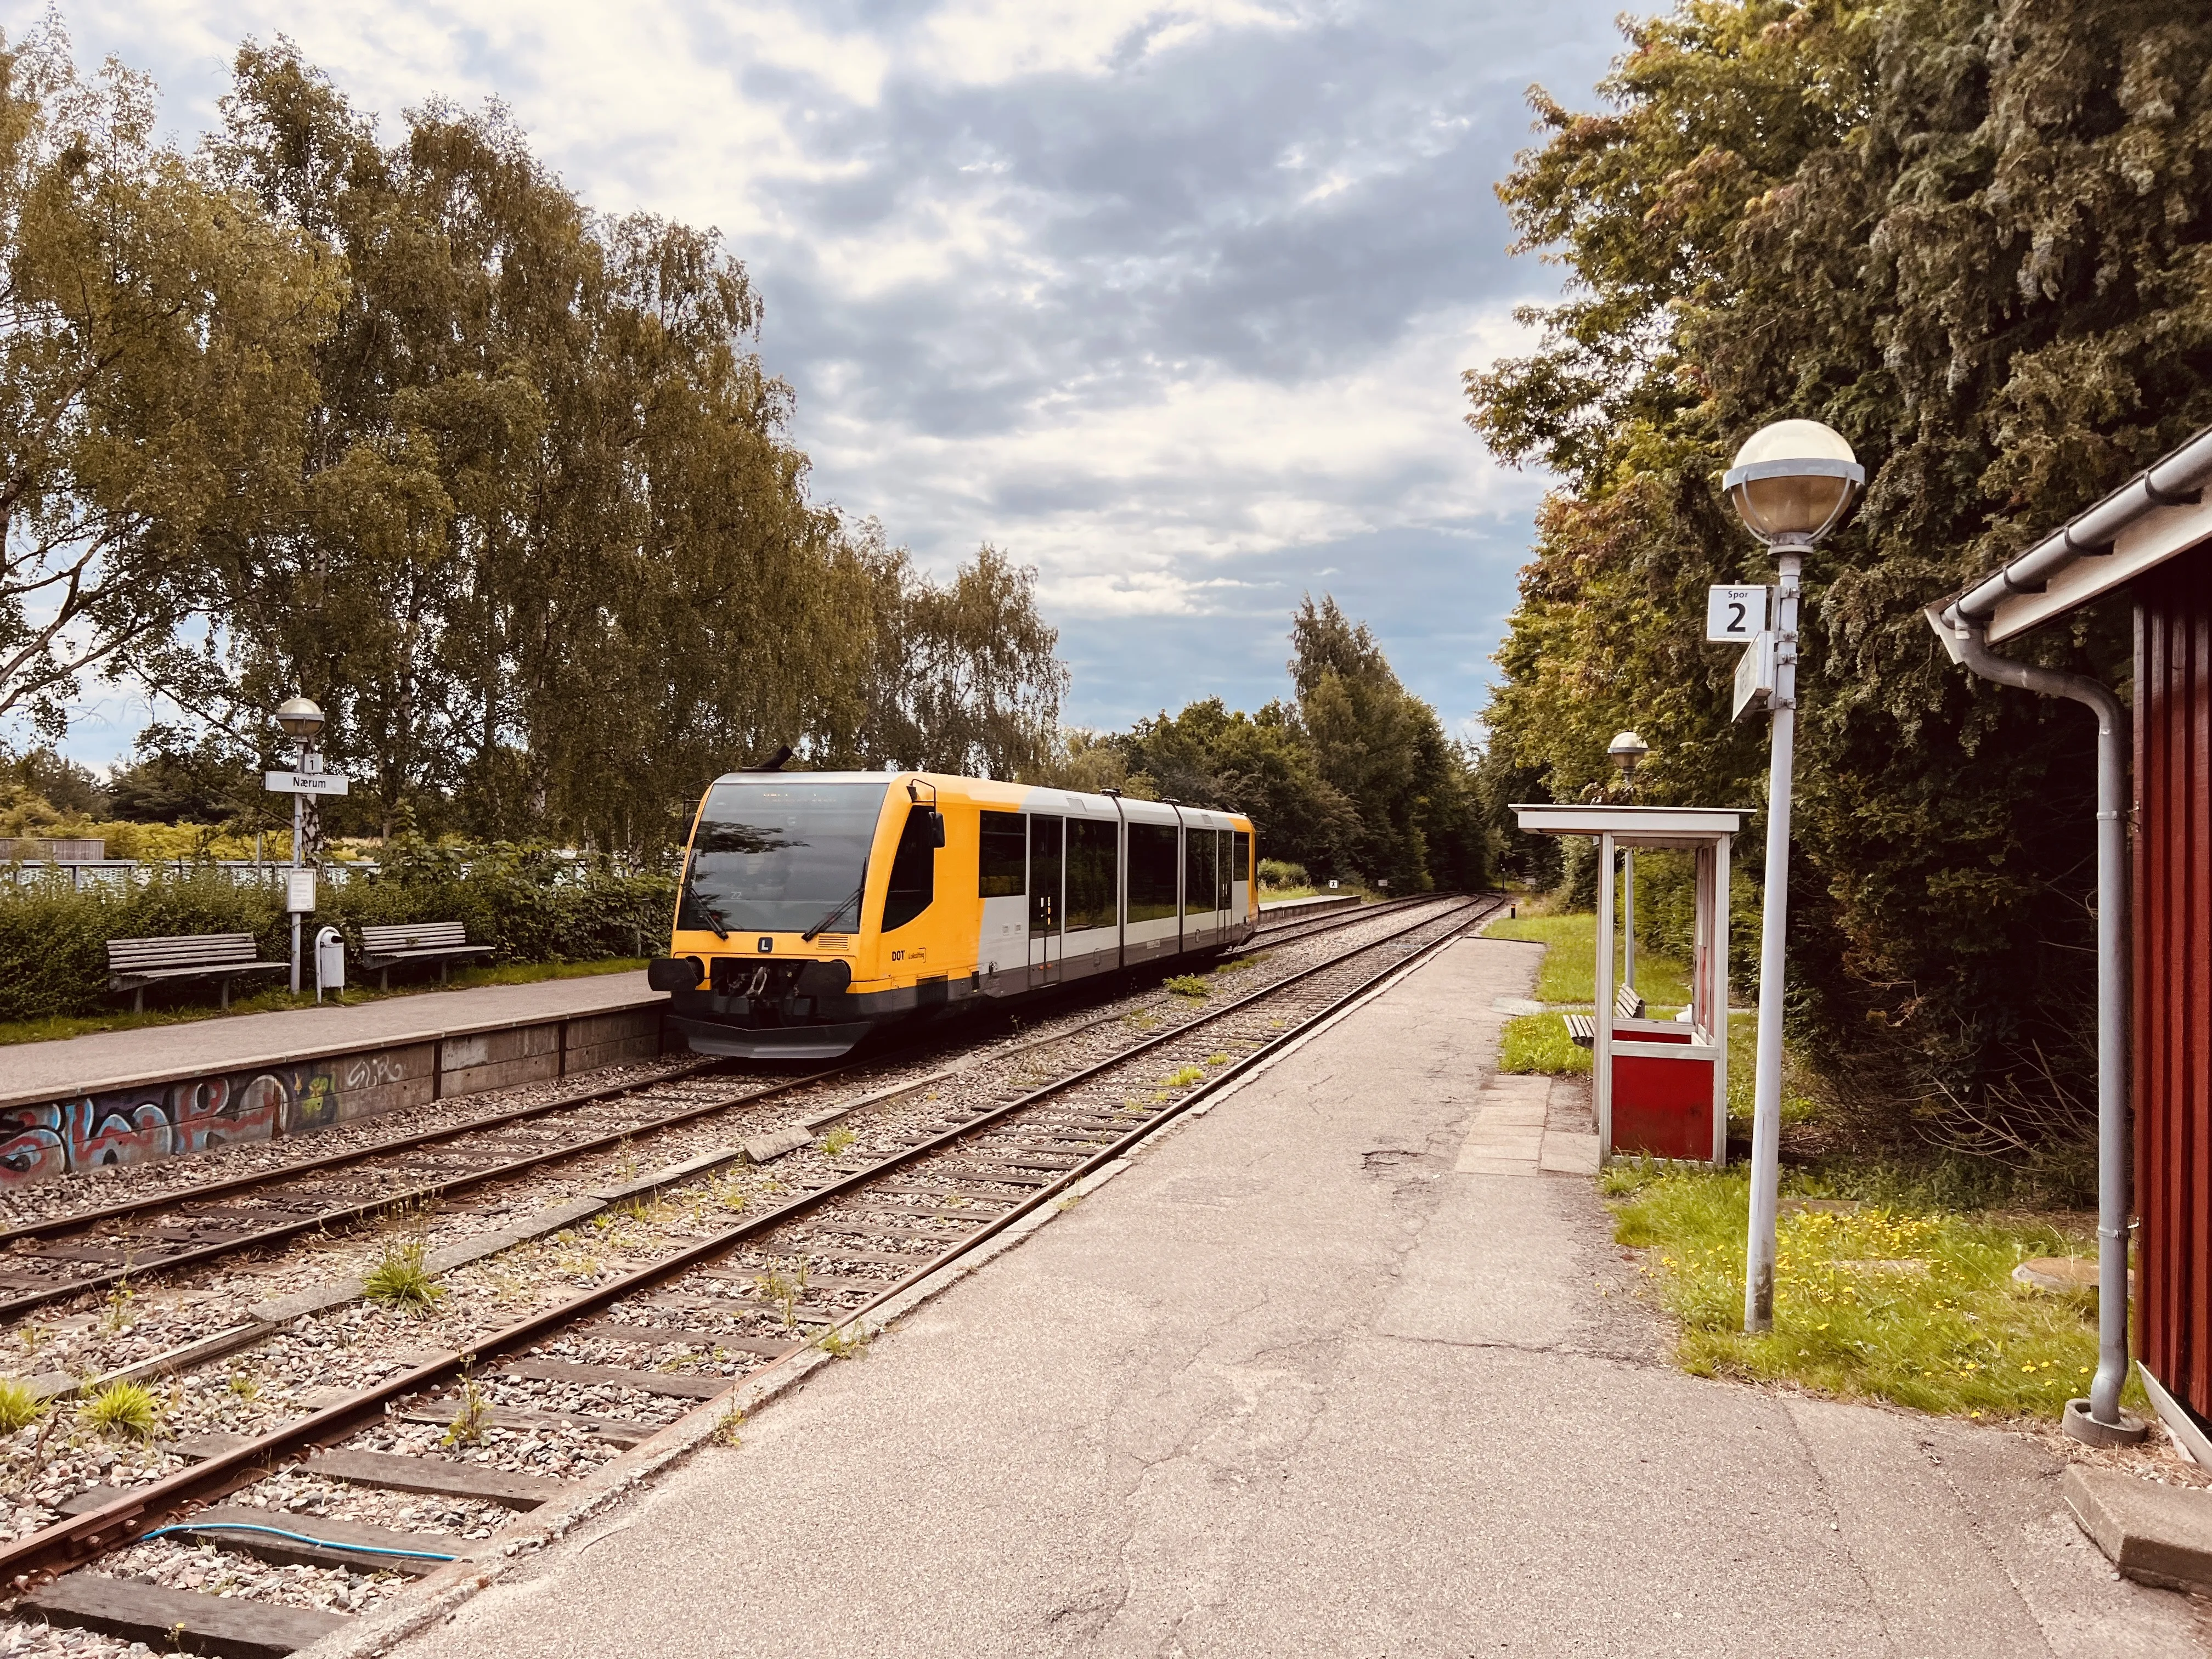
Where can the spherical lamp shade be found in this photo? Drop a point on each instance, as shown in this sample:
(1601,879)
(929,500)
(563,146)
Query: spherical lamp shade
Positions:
(301,717)
(1626,750)
(1793,482)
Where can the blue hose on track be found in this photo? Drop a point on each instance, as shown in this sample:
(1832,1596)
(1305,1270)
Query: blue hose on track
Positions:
(298,1538)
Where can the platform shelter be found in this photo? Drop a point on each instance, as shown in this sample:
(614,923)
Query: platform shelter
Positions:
(1659,1087)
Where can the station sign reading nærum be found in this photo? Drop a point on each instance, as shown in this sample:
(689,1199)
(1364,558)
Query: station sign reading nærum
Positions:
(304,783)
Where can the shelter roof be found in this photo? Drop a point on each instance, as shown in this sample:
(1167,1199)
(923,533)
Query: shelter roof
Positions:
(2160,512)
(1636,826)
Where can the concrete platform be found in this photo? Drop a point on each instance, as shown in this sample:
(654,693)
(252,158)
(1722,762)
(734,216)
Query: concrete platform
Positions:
(104,1060)
(1345,1366)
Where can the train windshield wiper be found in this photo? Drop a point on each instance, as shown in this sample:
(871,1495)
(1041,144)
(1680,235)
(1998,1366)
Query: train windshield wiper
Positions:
(843,905)
(714,916)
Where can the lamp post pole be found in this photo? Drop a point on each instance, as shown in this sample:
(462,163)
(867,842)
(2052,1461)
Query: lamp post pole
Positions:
(301,719)
(1791,484)
(1773,928)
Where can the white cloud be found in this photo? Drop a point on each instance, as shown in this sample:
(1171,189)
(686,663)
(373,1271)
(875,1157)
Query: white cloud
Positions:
(1139,291)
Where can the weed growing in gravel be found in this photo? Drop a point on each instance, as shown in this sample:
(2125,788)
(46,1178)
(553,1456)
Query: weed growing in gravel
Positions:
(32,1336)
(784,1290)
(1189,985)
(847,1342)
(246,1386)
(726,1427)
(625,1160)
(730,1193)
(1183,1076)
(1217,1059)
(834,1143)
(118,1316)
(471,1418)
(19,1406)
(122,1409)
(1252,961)
(400,1278)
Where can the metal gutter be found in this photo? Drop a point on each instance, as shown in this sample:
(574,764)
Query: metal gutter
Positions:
(2095,535)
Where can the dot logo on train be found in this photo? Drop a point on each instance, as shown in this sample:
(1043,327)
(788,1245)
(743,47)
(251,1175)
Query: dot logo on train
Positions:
(889,900)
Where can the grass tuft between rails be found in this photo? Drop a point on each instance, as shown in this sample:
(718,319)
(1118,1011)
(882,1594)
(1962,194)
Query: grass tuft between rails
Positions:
(121,1409)
(402,1277)
(19,1406)
(1872,1301)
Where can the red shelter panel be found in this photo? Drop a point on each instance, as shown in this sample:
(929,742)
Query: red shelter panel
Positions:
(2172,968)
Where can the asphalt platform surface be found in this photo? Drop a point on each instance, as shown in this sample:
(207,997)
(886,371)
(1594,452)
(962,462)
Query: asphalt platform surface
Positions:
(34,1072)
(1341,1367)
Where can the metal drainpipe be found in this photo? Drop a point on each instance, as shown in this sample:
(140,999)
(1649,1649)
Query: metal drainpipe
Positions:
(2107,1424)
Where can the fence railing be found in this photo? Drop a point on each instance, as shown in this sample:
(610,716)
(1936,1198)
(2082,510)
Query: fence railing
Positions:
(81,873)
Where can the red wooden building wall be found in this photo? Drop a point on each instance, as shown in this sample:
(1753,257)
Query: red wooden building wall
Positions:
(2172,967)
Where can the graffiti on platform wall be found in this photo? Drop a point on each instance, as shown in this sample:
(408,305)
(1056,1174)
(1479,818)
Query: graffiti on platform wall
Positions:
(138,1126)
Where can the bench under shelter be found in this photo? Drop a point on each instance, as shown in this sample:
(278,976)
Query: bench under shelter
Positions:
(1659,1087)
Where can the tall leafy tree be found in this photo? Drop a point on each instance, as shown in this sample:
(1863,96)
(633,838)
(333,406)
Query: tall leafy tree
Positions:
(155,373)
(1971,235)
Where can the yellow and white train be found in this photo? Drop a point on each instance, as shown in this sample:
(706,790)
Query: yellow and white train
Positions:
(819,907)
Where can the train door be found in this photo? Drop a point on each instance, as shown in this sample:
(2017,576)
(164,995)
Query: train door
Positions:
(1046,864)
(1201,903)
(1002,950)
(1240,878)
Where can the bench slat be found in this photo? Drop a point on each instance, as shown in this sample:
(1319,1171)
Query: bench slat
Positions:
(418,935)
(189,951)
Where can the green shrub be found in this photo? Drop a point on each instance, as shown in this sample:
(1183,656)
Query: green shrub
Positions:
(1279,872)
(527,902)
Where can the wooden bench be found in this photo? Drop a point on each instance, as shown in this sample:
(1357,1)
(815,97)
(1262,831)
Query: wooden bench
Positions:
(1582,1028)
(386,948)
(135,963)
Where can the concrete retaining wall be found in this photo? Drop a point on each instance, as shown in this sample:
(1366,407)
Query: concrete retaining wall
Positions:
(170,1116)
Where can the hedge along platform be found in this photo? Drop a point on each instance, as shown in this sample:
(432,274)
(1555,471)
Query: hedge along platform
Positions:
(159,1092)
(1659,1085)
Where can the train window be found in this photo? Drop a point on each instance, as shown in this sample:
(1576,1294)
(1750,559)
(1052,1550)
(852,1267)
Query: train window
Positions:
(1151,872)
(1093,858)
(1000,865)
(1197,872)
(1240,860)
(913,869)
(779,855)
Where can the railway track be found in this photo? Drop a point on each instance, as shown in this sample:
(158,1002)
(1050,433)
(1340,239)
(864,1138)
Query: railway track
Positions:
(57,1258)
(601,1372)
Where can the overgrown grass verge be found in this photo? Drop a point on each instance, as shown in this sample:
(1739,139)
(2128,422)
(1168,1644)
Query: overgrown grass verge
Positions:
(1873,1301)
(511,973)
(1570,969)
(1539,1044)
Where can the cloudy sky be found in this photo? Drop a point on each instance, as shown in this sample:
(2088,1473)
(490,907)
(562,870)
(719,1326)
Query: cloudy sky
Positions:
(1168,301)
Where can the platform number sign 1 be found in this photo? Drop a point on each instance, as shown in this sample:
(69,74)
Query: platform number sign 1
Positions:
(1735,615)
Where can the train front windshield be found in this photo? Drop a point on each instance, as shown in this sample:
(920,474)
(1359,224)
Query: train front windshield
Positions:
(780,857)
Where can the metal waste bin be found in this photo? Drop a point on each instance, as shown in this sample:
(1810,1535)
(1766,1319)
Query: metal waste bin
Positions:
(330,961)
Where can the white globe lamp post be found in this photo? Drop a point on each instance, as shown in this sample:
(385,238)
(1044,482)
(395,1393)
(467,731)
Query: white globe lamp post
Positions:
(302,718)
(1791,484)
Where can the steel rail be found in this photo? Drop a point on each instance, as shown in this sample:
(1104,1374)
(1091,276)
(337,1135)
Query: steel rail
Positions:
(342,1214)
(75,1540)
